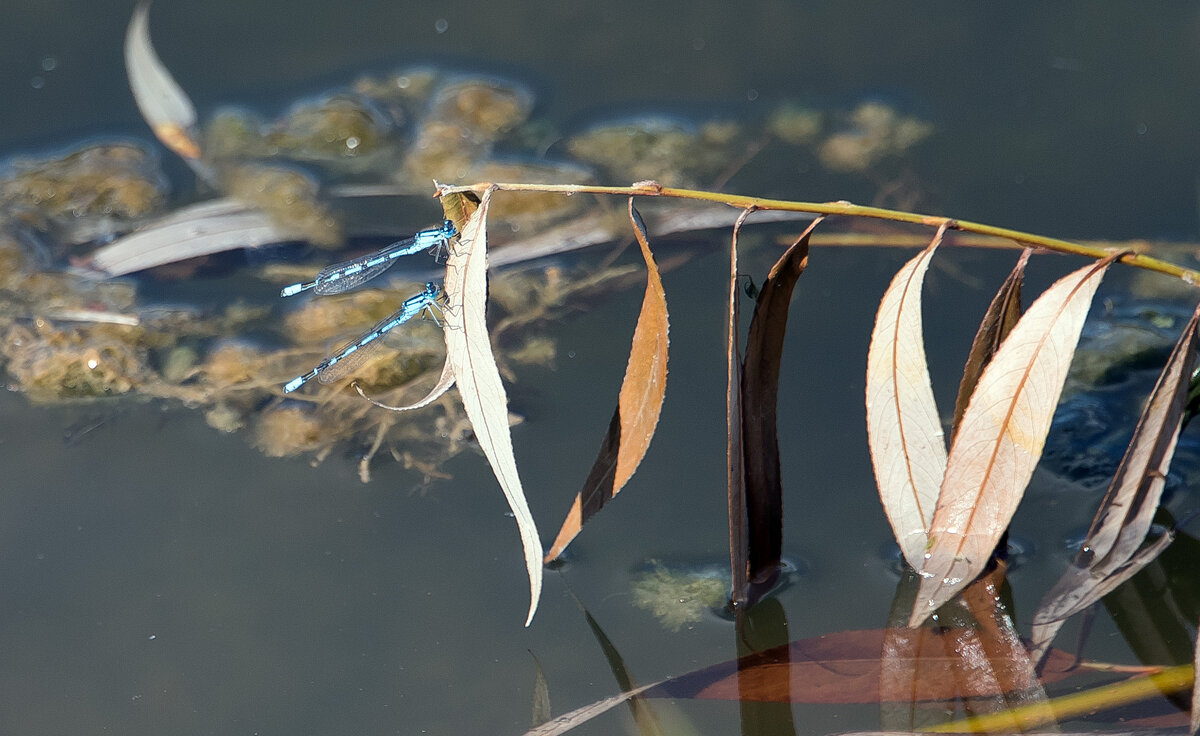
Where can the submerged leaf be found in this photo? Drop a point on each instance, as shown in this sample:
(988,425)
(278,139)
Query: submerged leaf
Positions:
(1110,554)
(979,628)
(904,431)
(163,104)
(1001,438)
(760,393)
(197,230)
(638,406)
(469,353)
(844,667)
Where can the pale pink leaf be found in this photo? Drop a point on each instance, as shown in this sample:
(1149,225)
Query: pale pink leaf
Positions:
(904,431)
(1001,437)
(469,353)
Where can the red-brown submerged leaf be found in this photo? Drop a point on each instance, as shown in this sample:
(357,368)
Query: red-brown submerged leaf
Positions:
(844,667)
(469,353)
(760,392)
(638,406)
(904,429)
(1001,438)
(1111,550)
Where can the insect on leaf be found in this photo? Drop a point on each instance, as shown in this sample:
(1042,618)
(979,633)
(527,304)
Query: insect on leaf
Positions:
(638,406)
(1001,437)
(164,105)
(1110,554)
(469,353)
(904,430)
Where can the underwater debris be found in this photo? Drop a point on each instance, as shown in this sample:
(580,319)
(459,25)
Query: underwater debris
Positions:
(88,193)
(670,151)
(289,197)
(678,597)
(796,124)
(877,132)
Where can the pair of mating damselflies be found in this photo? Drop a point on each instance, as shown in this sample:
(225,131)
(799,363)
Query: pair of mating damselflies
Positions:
(346,275)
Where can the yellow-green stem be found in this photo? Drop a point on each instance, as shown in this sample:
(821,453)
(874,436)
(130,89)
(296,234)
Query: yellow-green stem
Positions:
(651,189)
(1169,680)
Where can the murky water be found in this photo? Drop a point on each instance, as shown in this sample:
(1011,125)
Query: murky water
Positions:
(162,577)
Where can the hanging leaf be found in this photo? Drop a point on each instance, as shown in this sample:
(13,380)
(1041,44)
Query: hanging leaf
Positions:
(760,394)
(469,353)
(638,406)
(904,430)
(1001,437)
(999,320)
(163,104)
(1110,554)
(735,485)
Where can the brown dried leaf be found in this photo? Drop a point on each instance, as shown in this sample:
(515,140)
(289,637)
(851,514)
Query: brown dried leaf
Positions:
(904,430)
(638,406)
(469,354)
(1001,438)
(999,319)
(1110,555)
(760,392)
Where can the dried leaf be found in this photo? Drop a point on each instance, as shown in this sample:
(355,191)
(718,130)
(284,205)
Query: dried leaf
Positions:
(760,393)
(999,319)
(164,105)
(578,717)
(469,353)
(1001,437)
(1110,555)
(844,667)
(735,486)
(904,430)
(198,230)
(638,407)
(445,381)
(540,712)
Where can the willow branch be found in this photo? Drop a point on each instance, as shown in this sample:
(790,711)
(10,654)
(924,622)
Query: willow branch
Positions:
(1021,239)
